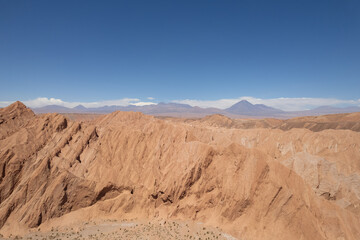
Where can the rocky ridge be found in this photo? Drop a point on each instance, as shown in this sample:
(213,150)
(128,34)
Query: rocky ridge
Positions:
(264,182)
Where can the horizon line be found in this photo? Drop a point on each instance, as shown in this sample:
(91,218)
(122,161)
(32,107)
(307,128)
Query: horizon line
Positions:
(281,103)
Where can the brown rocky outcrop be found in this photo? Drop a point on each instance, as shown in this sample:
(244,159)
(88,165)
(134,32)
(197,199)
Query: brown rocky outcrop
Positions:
(261,183)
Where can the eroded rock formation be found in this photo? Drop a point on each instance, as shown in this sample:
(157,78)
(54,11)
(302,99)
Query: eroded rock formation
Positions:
(261,183)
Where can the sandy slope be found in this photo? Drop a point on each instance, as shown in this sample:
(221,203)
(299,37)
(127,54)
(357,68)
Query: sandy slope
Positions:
(256,183)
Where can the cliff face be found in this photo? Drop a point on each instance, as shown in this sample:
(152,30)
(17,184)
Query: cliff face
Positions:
(256,183)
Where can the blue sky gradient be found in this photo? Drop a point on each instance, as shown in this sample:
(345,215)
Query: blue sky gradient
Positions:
(81,51)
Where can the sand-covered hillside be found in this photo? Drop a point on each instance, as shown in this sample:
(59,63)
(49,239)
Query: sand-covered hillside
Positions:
(260,179)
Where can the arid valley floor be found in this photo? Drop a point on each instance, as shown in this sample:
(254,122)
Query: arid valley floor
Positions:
(127,175)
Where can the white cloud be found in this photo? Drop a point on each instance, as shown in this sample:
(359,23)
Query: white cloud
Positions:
(150,98)
(287,104)
(143,103)
(5,103)
(118,102)
(43,101)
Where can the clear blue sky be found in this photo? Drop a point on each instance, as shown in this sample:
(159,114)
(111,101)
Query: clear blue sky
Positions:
(99,50)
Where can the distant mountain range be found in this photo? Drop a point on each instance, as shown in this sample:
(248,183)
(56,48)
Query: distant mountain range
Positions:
(242,109)
(245,108)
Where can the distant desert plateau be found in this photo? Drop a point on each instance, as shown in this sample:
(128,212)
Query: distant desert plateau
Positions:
(128,175)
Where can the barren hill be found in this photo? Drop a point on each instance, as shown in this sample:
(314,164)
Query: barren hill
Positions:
(343,121)
(256,179)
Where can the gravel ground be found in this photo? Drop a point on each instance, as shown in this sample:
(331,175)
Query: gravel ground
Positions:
(131,230)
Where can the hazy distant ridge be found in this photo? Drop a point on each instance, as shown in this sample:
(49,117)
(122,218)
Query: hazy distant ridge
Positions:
(240,109)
